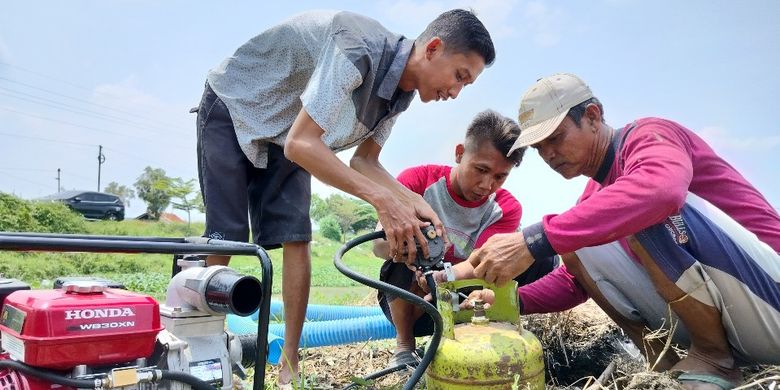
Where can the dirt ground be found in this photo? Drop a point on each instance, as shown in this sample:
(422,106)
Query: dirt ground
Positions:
(580,345)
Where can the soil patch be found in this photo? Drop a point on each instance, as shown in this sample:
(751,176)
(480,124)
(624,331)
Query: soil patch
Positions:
(580,346)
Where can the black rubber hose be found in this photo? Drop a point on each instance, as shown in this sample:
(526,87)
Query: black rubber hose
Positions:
(400,293)
(248,349)
(52,377)
(432,285)
(377,374)
(48,375)
(263,318)
(182,377)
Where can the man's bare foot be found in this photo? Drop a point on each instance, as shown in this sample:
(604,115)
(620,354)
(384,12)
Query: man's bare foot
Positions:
(286,376)
(700,372)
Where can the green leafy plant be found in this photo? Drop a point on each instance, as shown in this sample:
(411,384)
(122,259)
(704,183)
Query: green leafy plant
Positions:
(329,226)
(18,215)
(55,217)
(154,187)
(15,214)
(123,192)
(181,190)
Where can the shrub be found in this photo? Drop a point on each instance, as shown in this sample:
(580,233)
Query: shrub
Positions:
(18,215)
(55,217)
(330,229)
(15,214)
(153,284)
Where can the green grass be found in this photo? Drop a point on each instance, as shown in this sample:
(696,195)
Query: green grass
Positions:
(150,273)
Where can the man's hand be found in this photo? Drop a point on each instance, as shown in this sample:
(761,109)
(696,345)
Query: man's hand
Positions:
(402,228)
(438,277)
(486,295)
(501,258)
(425,212)
(402,212)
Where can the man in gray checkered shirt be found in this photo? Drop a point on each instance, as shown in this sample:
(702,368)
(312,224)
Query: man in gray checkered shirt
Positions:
(286,101)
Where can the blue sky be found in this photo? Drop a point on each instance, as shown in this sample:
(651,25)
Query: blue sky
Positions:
(123,74)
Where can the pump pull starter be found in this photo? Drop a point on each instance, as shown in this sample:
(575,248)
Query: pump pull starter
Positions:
(435,257)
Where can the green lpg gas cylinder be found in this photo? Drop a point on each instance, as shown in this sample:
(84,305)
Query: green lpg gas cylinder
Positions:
(486,350)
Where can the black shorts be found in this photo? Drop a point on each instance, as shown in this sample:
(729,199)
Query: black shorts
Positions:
(275,199)
(397,274)
(402,277)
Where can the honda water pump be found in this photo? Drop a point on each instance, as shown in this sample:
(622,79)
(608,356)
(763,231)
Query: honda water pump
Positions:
(87,335)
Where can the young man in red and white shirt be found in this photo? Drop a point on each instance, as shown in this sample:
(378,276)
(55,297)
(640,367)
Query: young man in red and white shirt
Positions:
(471,204)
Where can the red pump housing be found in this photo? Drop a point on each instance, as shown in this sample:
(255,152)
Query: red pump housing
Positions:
(82,323)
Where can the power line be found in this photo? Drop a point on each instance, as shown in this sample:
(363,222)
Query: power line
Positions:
(63,172)
(44,76)
(43,170)
(134,157)
(74,124)
(48,140)
(81,111)
(25,179)
(68,173)
(84,101)
(24,169)
(129,156)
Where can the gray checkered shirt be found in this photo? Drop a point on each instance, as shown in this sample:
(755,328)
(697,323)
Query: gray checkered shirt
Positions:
(342,68)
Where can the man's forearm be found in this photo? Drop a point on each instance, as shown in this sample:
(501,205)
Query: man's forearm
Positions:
(308,151)
(330,170)
(463,270)
(373,170)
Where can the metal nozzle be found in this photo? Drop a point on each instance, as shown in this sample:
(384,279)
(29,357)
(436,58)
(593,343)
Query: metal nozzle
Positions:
(479,317)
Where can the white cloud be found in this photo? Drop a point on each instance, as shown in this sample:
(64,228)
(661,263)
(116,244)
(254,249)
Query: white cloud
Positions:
(621,2)
(5,52)
(721,139)
(540,21)
(503,18)
(124,93)
(495,14)
(412,16)
(147,113)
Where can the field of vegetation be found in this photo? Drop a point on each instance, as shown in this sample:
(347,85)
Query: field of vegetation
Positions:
(579,344)
(150,273)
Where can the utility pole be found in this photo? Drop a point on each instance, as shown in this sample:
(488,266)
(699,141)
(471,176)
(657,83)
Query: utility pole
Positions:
(101,159)
(59,187)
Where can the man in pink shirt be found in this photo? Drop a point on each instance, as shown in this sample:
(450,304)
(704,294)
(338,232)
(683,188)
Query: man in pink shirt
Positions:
(664,223)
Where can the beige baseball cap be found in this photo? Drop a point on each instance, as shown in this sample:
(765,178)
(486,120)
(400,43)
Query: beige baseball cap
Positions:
(545,104)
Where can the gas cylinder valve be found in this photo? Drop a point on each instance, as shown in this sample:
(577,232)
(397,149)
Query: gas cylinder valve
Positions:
(479,317)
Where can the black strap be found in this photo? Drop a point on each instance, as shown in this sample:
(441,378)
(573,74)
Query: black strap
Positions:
(625,132)
(615,145)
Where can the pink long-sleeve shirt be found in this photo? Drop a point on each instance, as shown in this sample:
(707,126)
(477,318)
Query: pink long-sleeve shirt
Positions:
(657,165)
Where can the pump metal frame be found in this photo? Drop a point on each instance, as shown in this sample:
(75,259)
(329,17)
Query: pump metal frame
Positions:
(49,242)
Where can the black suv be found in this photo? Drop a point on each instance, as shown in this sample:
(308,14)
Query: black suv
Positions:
(92,204)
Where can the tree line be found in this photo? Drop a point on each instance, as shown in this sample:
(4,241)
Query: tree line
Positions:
(337,215)
(159,191)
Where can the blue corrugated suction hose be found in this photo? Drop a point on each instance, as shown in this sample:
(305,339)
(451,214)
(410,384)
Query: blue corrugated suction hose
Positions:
(319,333)
(324,312)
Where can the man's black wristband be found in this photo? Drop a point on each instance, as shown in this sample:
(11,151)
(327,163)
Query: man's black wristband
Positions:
(537,243)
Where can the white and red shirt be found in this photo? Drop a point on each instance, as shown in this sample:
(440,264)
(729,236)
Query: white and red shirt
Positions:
(468,224)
